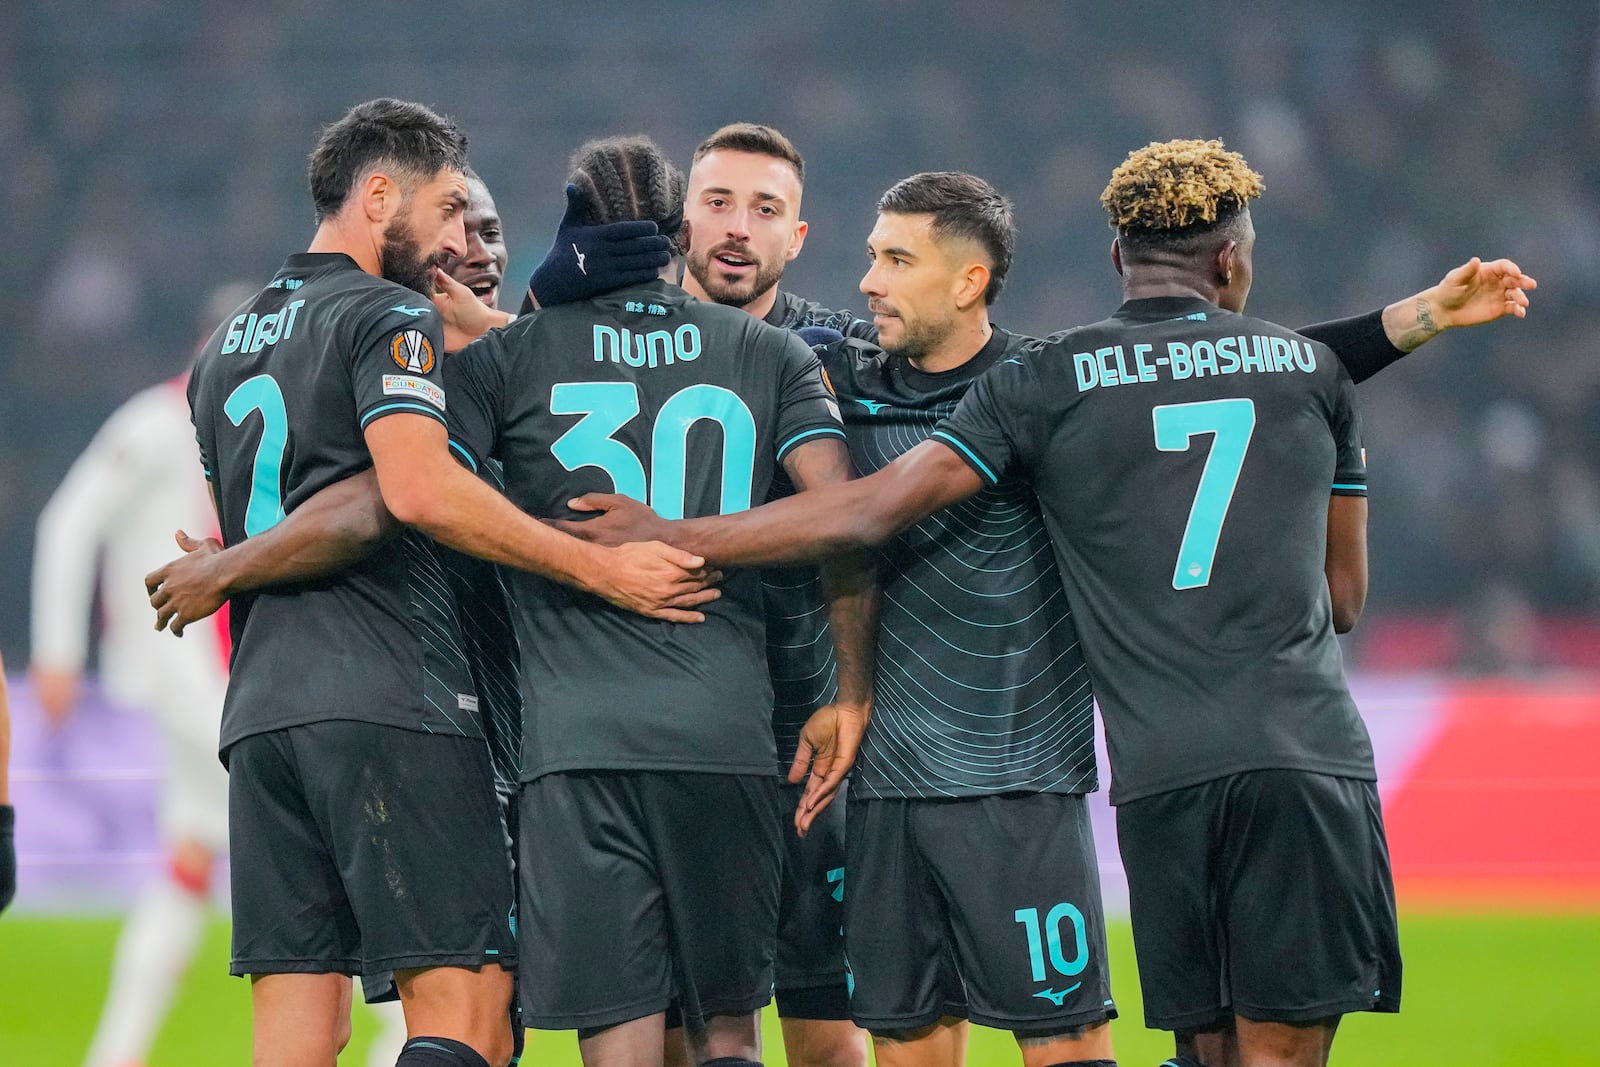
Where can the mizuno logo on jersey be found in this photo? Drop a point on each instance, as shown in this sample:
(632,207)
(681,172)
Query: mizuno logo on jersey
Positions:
(412,351)
(584,270)
(1057,998)
(873,407)
(415,313)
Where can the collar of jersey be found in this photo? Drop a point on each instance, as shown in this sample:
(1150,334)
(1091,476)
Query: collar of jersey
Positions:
(305,262)
(1154,308)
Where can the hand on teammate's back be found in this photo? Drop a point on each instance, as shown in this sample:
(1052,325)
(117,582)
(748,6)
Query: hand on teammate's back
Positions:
(616,520)
(586,261)
(191,587)
(658,581)
(828,744)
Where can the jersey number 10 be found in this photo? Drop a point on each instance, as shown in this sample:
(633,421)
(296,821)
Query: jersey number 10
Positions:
(608,406)
(1232,421)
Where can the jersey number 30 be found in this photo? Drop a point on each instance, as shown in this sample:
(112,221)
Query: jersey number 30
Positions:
(1232,421)
(608,406)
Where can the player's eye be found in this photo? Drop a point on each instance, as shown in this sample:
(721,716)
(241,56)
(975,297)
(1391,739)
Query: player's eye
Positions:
(489,235)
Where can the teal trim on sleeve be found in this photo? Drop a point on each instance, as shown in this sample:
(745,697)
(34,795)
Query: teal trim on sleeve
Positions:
(385,409)
(983,468)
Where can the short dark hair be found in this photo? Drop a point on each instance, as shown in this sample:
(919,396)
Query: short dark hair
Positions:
(410,138)
(756,139)
(1179,197)
(625,178)
(964,206)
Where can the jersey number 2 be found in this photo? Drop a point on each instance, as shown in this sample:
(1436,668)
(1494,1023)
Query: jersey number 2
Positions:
(608,406)
(262,394)
(1232,422)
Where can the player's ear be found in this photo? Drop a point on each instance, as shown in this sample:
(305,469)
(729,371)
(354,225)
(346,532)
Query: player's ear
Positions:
(973,283)
(1225,261)
(1116,255)
(380,196)
(797,240)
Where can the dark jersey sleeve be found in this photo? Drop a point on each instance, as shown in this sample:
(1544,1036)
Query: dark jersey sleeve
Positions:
(1350,472)
(1360,343)
(806,406)
(202,428)
(475,380)
(993,428)
(394,366)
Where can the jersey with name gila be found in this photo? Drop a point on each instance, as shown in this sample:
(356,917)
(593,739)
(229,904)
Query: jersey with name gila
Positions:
(981,687)
(281,396)
(688,406)
(1184,457)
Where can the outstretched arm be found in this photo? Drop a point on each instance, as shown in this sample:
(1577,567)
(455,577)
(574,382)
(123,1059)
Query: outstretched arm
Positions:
(818,525)
(336,527)
(424,487)
(1472,294)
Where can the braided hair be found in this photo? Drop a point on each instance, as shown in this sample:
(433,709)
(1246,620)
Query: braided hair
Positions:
(625,178)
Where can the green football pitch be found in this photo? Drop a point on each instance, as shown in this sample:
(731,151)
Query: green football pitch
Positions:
(1480,990)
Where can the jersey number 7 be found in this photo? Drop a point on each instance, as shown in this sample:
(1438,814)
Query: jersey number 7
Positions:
(1232,422)
(262,394)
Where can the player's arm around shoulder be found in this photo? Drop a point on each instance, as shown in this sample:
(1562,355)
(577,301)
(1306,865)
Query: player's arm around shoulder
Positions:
(336,527)
(424,487)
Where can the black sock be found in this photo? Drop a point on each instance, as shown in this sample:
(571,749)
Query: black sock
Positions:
(731,1061)
(438,1052)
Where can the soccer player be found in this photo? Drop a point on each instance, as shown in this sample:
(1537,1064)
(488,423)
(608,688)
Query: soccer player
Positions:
(1202,482)
(742,215)
(347,521)
(983,732)
(649,850)
(369,812)
(112,516)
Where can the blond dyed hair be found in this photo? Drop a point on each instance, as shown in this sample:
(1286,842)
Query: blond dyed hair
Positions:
(1169,186)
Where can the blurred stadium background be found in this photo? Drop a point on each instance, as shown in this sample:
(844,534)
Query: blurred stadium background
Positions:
(154,150)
